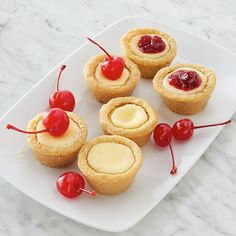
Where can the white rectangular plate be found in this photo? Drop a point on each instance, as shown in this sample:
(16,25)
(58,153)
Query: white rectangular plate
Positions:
(153,182)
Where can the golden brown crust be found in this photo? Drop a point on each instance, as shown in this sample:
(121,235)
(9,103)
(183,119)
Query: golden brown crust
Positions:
(148,66)
(109,184)
(55,156)
(185,104)
(139,135)
(104,93)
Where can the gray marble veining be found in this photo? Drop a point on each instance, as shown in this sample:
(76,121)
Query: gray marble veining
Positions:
(36,35)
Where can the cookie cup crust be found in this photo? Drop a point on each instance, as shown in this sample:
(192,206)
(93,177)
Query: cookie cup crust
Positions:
(139,135)
(109,184)
(148,66)
(105,93)
(54,156)
(185,104)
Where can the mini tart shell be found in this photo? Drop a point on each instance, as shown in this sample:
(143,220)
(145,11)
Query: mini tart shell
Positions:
(186,104)
(109,184)
(53,156)
(104,93)
(148,66)
(139,135)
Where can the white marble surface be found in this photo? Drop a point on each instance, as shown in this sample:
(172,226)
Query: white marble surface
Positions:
(36,35)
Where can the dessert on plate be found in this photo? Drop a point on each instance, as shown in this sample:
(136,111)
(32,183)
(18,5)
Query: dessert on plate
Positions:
(149,48)
(110,76)
(110,163)
(131,117)
(55,137)
(185,88)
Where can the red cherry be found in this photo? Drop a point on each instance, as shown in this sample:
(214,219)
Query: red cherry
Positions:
(71,184)
(63,99)
(162,136)
(112,66)
(183,129)
(56,123)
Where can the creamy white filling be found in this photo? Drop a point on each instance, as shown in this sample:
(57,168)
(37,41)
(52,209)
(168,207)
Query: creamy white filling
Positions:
(67,139)
(129,116)
(136,50)
(110,158)
(173,89)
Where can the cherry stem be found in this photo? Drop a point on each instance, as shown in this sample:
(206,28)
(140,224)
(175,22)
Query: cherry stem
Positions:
(216,124)
(25,132)
(174,167)
(92,193)
(100,47)
(59,76)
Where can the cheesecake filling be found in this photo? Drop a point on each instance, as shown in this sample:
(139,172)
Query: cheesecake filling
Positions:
(186,85)
(134,46)
(110,158)
(129,116)
(101,78)
(67,139)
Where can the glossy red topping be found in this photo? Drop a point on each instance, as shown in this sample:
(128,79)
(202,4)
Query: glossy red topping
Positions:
(151,44)
(112,66)
(185,80)
(71,184)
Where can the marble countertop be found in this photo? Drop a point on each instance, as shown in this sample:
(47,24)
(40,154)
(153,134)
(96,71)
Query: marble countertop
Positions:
(36,35)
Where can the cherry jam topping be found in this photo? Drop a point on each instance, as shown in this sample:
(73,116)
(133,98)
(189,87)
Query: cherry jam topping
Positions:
(185,80)
(149,44)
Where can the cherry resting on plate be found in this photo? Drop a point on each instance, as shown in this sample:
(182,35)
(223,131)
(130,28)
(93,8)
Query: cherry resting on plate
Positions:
(56,123)
(71,184)
(112,66)
(162,136)
(63,99)
(183,129)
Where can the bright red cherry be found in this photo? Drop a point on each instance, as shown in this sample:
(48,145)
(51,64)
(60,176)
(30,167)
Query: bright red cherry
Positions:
(63,99)
(56,123)
(112,66)
(151,44)
(71,184)
(162,136)
(183,129)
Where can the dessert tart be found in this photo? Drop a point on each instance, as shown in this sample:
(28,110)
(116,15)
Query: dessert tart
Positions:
(185,88)
(109,163)
(57,151)
(105,89)
(131,117)
(110,76)
(150,49)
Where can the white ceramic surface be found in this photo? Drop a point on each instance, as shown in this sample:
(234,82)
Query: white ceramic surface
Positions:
(153,181)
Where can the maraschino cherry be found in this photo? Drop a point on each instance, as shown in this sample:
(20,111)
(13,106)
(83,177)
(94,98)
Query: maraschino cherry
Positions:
(112,66)
(162,136)
(183,129)
(71,184)
(63,99)
(56,123)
